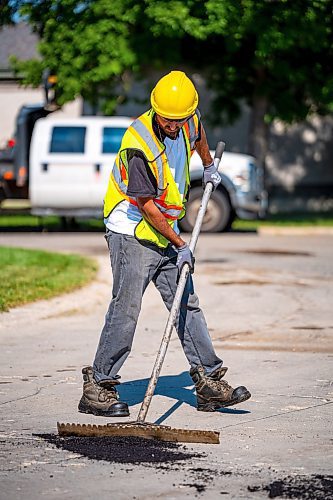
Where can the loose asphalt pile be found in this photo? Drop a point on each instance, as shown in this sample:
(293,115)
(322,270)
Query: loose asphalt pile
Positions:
(166,456)
(161,455)
(315,487)
(122,450)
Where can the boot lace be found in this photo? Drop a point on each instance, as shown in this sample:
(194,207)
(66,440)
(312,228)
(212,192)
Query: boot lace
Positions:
(218,385)
(106,395)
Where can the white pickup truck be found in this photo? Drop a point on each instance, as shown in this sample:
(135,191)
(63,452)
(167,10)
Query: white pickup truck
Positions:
(70,162)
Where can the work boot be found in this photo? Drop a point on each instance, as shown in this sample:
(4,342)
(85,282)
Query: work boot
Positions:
(101,399)
(214,393)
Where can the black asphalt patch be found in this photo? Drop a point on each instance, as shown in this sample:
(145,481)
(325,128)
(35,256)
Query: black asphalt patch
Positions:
(279,253)
(122,450)
(315,487)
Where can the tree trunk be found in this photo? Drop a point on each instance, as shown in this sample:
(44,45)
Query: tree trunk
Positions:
(259,130)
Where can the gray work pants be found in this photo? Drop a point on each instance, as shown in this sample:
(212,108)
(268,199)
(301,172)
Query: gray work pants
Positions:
(134,266)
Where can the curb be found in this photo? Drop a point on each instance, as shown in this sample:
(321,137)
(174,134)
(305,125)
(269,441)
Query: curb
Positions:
(297,231)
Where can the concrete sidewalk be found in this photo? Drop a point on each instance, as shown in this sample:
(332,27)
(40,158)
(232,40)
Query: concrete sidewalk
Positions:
(270,317)
(296,230)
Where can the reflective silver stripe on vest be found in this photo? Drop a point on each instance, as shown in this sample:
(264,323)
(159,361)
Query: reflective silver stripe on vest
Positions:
(142,130)
(173,212)
(193,133)
(117,177)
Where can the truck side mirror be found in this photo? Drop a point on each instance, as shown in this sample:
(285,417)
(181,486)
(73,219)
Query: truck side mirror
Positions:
(49,83)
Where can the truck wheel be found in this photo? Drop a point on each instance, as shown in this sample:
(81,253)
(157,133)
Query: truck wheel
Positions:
(219,215)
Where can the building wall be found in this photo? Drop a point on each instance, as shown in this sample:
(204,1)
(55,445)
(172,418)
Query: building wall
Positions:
(299,166)
(301,153)
(13,97)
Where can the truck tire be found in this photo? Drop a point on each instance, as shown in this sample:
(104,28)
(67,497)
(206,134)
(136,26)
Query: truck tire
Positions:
(219,215)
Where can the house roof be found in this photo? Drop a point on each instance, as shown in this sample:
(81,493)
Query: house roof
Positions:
(17,40)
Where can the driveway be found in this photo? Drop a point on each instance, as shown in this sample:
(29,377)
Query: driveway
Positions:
(267,301)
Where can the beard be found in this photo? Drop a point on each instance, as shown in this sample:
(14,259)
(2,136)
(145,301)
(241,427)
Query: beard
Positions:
(172,135)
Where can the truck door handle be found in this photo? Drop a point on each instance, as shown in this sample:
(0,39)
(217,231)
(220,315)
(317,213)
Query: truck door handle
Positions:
(45,167)
(97,167)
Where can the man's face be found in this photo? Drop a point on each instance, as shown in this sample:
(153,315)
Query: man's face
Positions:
(170,127)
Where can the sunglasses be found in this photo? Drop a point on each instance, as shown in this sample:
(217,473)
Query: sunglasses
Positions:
(171,120)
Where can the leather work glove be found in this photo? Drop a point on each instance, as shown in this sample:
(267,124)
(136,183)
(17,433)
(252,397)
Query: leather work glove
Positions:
(185,256)
(210,174)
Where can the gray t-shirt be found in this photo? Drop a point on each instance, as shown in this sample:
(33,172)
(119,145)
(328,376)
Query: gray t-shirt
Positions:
(141,180)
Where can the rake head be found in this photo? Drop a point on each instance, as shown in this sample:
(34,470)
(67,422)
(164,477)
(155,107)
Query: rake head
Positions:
(140,429)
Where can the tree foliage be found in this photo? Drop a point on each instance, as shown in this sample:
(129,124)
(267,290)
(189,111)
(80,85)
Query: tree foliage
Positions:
(276,55)
(7,11)
(87,44)
(280,49)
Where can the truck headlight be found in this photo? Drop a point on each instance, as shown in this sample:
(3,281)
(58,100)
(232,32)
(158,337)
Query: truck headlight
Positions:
(242,181)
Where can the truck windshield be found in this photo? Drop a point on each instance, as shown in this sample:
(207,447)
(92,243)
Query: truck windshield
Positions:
(68,139)
(112,137)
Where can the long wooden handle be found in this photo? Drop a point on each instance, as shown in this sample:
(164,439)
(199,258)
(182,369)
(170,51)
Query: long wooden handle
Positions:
(178,295)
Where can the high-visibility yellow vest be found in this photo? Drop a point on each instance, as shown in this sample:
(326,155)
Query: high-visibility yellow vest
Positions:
(140,136)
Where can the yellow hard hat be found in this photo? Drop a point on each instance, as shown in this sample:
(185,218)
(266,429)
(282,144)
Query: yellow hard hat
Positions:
(174,96)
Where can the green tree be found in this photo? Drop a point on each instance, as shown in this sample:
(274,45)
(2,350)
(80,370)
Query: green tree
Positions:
(86,44)
(276,55)
(7,11)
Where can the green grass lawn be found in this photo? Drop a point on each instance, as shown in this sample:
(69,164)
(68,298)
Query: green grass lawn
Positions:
(51,223)
(287,220)
(29,275)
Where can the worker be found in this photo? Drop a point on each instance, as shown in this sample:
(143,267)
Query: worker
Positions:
(145,198)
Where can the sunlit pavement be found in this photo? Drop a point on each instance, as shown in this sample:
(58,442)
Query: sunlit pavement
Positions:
(267,301)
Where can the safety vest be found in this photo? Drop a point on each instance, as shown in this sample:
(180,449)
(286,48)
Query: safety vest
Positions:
(140,136)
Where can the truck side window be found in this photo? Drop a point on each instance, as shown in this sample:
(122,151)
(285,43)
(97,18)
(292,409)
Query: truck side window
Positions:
(68,139)
(112,137)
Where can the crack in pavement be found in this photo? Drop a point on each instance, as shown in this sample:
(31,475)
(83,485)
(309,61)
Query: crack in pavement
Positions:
(34,394)
(22,397)
(321,398)
(277,415)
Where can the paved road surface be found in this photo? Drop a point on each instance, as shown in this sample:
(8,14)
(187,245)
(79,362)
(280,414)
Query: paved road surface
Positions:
(268,304)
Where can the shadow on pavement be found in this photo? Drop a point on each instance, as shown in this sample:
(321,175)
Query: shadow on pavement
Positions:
(178,387)
(243,231)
